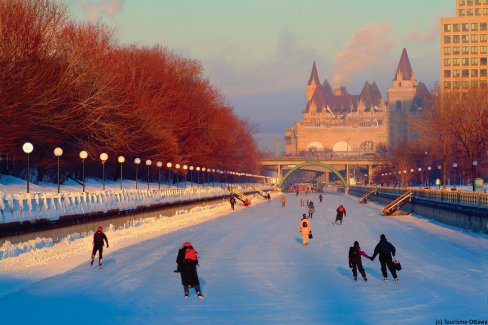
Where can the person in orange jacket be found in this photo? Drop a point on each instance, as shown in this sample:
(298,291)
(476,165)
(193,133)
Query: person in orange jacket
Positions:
(283,200)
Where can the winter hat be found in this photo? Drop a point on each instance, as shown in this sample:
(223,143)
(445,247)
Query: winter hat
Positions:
(356,244)
(186,244)
(382,237)
(304,216)
(100,228)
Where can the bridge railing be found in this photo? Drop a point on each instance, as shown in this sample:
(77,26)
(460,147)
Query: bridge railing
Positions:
(350,156)
(458,196)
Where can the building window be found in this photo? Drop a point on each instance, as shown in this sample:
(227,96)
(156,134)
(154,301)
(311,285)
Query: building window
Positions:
(465,84)
(455,27)
(447,73)
(447,50)
(483,73)
(474,72)
(474,50)
(465,38)
(465,61)
(483,49)
(462,12)
(477,12)
(447,27)
(465,49)
(447,39)
(485,11)
(465,73)
(465,27)
(483,84)
(477,2)
(474,38)
(483,38)
(447,84)
(462,2)
(455,85)
(470,2)
(474,27)
(474,84)
(447,62)
(455,73)
(469,12)
(483,61)
(455,50)
(474,61)
(455,62)
(483,27)
(455,39)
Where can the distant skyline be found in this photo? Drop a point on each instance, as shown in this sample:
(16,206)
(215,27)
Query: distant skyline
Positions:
(260,52)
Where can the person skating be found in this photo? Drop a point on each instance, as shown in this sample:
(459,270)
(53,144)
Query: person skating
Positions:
(311,209)
(298,191)
(187,261)
(305,229)
(268,197)
(341,212)
(385,250)
(232,202)
(283,201)
(355,262)
(98,238)
(320,198)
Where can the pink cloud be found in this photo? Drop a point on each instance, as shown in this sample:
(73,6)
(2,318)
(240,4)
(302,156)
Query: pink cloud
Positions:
(429,36)
(94,10)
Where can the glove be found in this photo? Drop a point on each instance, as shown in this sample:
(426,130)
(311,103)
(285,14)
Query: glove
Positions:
(107,245)
(371,258)
(395,260)
(350,265)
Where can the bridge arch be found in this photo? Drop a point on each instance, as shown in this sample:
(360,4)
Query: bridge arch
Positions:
(312,163)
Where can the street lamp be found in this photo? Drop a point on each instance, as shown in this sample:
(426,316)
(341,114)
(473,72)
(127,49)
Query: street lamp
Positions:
(58,152)
(421,178)
(28,148)
(177,166)
(428,175)
(169,165)
(455,166)
(103,158)
(121,160)
(185,168)
(198,176)
(137,161)
(191,175)
(213,177)
(475,163)
(83,156)
(203,174)
(159,164)
(148,163)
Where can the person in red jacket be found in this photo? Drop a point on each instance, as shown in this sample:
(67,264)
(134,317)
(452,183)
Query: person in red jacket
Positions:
(341,212)
(98,239)
(355,262)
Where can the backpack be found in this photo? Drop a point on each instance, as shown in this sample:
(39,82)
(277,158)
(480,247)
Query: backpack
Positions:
(190,255)
(304,224)
(353,253)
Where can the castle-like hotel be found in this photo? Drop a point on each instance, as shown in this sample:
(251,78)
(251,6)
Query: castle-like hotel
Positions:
(336,121)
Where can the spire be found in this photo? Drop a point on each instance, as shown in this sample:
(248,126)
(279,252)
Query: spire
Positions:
(327,88)
(314,76)
(404,70)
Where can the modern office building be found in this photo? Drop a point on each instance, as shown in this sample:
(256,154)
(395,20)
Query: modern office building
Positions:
(464,46)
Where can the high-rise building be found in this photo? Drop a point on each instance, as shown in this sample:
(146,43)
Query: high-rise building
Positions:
(464,46)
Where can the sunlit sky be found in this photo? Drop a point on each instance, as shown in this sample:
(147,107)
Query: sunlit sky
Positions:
(260,52)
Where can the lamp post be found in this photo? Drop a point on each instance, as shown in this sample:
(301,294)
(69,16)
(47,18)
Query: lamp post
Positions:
(421,178)
(137,161)
(58,152)
(28,148)
(213,177)
(428,175)
(455,166)
(198,176)
(169,165)
(475,163)
(103,158)
(185,168)
(159,164)
(439,167)
(177,166)
(148,163)
(203,175)
(191,175)
(83,156)
(121,160)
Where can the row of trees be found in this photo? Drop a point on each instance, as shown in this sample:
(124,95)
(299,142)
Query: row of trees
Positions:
(72,85)
(452,133)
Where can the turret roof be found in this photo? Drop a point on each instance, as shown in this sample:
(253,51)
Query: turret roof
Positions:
(404,67)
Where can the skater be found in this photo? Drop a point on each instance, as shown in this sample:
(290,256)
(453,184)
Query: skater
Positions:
(341,212)
(385,249)
(355,262)
(98,238)
(298,191)
(320,198)
(305,229)
(269,197)
(283,201)
(187,261)
(311,209)
(247,202)
(232,202)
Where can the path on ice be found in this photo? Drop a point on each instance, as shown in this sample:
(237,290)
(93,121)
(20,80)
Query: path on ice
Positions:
(253,269)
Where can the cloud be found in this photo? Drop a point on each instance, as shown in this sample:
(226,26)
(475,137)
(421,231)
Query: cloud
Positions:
(288,68)
(368,47)
(430,36)
(94,10)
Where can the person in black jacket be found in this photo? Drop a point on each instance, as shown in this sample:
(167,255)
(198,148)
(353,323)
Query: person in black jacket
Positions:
(232,202)
(188,270)
(385,250)
(355,262)
(98,239)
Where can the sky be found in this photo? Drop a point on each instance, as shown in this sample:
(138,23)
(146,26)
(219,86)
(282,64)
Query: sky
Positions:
(260,52)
